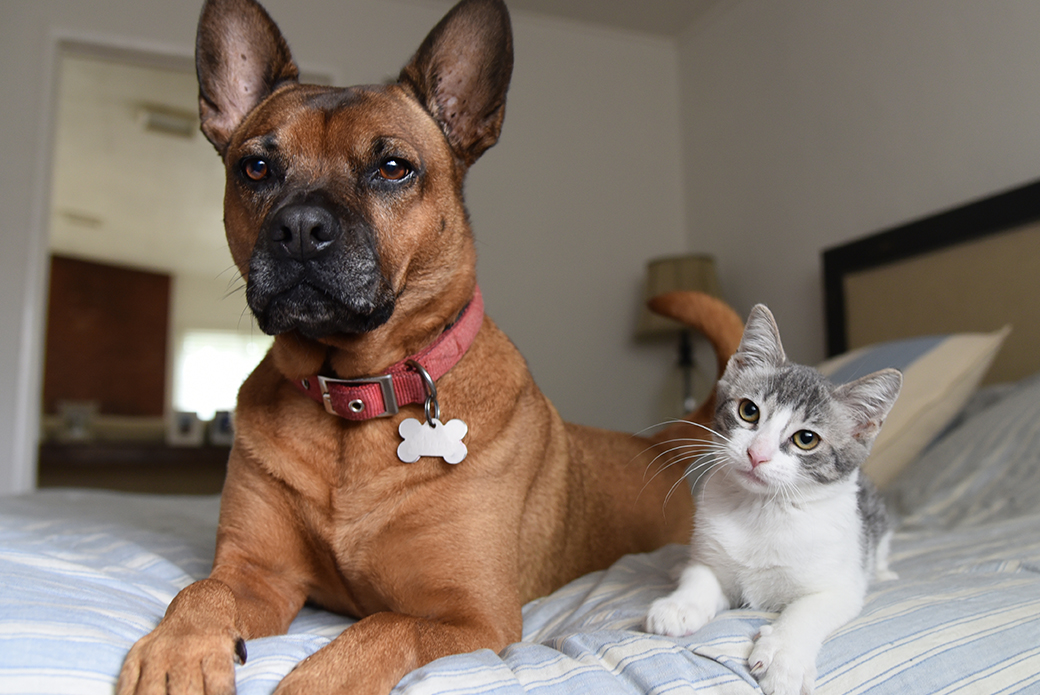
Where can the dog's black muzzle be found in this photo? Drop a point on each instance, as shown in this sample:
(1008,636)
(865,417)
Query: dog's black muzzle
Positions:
(315,268)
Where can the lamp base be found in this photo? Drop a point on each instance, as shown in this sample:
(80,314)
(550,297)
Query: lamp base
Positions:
(686,364)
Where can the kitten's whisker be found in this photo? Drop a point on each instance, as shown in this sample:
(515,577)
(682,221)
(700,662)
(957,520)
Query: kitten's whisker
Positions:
(700,460)
(680,421)
(673,444)
(711,463)
(677,460)
(689,441)
(797,494)
(688,449)
(703,466)
(712,471)
(697,448)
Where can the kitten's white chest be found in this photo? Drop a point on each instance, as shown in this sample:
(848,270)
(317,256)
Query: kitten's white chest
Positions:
(766,554)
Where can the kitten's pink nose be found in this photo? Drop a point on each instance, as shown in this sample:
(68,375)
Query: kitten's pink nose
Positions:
(758,455)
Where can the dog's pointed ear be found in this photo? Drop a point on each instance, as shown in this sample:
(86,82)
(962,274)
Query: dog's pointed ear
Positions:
(240,58)
(461,74)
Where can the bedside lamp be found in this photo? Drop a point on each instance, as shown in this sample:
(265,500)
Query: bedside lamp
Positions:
(695,273)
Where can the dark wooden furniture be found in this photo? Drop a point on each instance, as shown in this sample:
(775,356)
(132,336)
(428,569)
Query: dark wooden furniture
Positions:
(134,467)
(106,337)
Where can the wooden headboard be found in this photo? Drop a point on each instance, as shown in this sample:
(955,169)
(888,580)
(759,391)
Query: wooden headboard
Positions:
(973,268)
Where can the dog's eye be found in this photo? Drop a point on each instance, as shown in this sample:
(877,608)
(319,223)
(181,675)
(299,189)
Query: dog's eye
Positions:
(393,169)
(255,168)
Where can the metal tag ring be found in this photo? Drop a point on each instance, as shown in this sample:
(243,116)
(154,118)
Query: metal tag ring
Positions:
(432,407)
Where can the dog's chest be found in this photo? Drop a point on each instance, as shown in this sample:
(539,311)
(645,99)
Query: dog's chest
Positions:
(345,532)
(347,490)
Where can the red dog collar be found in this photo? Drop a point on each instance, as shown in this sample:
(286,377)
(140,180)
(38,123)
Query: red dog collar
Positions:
(382,395)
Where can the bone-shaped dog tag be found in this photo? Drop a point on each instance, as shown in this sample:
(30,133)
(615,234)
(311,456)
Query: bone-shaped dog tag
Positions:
(434,439)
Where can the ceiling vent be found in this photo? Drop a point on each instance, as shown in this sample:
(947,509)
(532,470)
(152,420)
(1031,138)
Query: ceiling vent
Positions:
(167,120)
(81,218)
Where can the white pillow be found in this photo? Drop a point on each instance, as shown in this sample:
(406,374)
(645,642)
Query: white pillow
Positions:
(940,373)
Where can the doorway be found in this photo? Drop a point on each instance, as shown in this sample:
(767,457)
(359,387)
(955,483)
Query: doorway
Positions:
(136,197)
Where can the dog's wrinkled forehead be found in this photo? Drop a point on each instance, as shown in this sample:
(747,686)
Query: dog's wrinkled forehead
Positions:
(339,113)
(354,123)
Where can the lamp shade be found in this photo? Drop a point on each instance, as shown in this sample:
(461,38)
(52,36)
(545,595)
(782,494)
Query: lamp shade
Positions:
(693,273)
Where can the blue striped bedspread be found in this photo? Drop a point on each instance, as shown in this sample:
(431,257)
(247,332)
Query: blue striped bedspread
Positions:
(964,616)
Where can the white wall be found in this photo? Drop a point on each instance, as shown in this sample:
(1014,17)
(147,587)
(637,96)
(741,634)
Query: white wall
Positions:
(808,123)
(581,191)
(585,186)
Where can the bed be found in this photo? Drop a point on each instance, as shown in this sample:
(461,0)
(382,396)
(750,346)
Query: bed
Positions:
(83,574)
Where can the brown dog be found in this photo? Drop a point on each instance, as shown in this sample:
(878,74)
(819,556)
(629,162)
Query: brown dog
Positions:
(343,211)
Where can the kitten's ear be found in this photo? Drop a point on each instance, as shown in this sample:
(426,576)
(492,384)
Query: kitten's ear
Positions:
(869,399)
(760,346)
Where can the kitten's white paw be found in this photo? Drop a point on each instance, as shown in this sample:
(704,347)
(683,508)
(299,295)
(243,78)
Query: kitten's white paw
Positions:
(779,670)
(675,617)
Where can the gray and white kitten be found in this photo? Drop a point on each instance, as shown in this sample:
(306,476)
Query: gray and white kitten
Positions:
(785,522)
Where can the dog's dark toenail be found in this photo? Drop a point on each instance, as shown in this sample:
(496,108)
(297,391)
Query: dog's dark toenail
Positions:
(240,651)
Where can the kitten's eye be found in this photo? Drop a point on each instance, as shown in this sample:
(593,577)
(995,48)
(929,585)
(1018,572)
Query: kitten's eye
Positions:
(805,440)
(393,169)
(255,168)
(748,411)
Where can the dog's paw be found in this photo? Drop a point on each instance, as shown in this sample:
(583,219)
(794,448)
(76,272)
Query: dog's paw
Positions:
(675,617)
(779,669)
(175,661)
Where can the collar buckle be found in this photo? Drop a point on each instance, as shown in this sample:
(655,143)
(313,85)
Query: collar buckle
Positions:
(357,406)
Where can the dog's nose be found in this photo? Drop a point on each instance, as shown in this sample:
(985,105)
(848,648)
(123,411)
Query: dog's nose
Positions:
(303,231)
